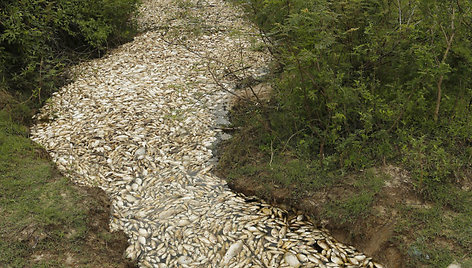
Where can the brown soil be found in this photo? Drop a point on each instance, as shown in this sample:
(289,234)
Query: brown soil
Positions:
(373,235)
(105,252)
(99,248)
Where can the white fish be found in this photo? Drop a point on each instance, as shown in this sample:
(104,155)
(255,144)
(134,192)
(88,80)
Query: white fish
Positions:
(292,260)
(233,250)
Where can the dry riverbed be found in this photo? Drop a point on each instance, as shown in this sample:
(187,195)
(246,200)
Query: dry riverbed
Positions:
(142,124)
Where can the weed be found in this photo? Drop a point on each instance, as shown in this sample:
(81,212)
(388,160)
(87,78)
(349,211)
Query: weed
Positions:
(44,217)
(358,199)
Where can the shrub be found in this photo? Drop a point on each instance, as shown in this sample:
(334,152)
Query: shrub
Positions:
(369,80)
(39,38)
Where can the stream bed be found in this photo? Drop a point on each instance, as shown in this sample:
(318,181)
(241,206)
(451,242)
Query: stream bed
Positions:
(142,122)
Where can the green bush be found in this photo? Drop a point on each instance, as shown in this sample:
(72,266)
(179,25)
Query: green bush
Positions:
(39,38)
(365,81)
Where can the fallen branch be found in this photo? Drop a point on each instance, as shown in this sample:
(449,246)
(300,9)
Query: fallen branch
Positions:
(218,83)
(228,128)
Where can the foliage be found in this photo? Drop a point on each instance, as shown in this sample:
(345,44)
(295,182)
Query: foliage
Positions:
(46,221)
(366,81)
(361,84)
(39,38)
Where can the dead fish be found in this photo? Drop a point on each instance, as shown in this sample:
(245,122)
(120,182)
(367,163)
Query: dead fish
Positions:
(233,250)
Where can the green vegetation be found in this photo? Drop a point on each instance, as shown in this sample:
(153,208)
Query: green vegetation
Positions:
(39,39)
(359,85)
(355,203)
(45,220)
(441,236)
(359,82)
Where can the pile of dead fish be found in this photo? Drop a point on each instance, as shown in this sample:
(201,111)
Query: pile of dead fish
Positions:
(142,122)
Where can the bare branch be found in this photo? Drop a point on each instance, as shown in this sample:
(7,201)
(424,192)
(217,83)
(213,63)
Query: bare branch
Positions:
(293,135)
(271,152)
(399,12)
(232,72)
(444,33)
(448,48)
(218,83)
(411,15)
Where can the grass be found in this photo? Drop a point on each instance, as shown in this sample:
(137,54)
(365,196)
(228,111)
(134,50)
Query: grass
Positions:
(438,234)
(357,202)
(46,221)
(427,232)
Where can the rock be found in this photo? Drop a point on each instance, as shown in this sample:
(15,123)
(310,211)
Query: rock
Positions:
(225,136)
(221,121)
(140,152)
